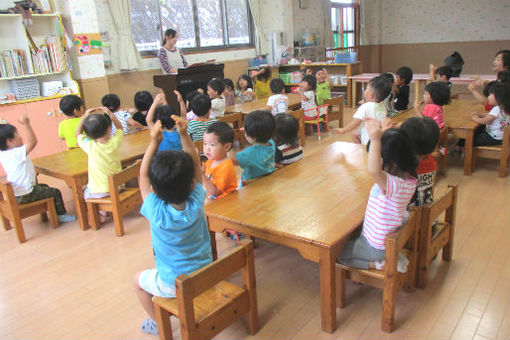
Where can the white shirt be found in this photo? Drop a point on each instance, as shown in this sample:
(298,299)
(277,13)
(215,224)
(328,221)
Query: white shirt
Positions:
(369,110)
(279,103)
(19,169)
(123,117)
(496,128)
(309,104)
(217,107)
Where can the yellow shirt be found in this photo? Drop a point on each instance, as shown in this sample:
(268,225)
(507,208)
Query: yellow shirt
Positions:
(261,88)
(104,160)
(67,130)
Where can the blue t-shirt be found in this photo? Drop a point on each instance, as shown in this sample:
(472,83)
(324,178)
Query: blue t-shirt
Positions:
(171,141)
(180,239)
(256,160)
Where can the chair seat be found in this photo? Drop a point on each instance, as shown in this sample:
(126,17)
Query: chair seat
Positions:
(207,303)
(314,121)
(490,147)
(123,195)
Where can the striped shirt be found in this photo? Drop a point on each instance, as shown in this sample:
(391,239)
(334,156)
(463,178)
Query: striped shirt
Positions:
(385,211)
(286,153)
(196,128)
(123,117)
(169,59)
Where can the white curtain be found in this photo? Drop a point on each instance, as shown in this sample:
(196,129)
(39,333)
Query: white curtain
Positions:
(257,21)
(128,56)
(327,38)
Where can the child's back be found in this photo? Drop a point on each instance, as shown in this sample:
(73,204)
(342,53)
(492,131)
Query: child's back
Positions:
(278,102)
(72,107)
(201,106)
(370,110)
(288,150)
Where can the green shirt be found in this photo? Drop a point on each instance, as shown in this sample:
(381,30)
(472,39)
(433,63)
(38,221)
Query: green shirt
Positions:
(67,130)
(322,92)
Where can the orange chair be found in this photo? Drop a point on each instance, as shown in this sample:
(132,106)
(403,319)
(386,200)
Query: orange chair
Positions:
(316,116)
(206,304)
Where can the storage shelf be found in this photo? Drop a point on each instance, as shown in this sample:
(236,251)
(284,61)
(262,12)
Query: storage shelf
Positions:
(37,99)
(35,75)
(319,64)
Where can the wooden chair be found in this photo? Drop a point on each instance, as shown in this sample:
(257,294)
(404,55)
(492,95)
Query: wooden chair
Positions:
(501,152)
(440,153)
(206,304)
(320,115)
(431,243)
(199,144)
(11,212)
(336,109)
(404,240)
(299,115)
(236,119)
(120,202)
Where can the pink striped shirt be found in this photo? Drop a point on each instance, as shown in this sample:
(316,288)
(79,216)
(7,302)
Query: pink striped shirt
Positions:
(385,211)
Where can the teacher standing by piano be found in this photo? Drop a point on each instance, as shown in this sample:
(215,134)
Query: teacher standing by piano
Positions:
(170,56)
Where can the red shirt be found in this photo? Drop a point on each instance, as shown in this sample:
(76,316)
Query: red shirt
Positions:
(435,112)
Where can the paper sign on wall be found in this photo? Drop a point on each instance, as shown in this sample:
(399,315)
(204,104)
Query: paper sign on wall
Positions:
(88,44)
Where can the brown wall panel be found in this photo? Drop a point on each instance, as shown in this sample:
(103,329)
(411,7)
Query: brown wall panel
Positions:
(92,90)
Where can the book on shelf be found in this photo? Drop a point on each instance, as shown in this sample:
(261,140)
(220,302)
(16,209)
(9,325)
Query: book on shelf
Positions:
(13,63)
(48,57)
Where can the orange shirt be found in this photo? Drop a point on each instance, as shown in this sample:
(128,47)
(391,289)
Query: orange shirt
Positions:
(223,176)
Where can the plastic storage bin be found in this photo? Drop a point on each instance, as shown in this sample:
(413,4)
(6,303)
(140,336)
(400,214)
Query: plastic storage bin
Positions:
(25,88)
(345,58)
(285,77)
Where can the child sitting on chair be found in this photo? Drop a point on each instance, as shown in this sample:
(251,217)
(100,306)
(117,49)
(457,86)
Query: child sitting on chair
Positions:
(215,89)
(201,106)
(112,102)
(143,101)
(20,170)
(72,106)
(163,113)
(257,159)
(435,96)
(401,88)
(377,90)
(278,102)
(219,177)
(173,195)
(288,150)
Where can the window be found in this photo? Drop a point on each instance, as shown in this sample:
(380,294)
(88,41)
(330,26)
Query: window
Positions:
(201,24)
(345,23)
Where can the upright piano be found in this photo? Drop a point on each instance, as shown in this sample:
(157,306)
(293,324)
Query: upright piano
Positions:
(187,80)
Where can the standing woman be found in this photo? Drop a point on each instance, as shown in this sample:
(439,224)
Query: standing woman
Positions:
(170,56)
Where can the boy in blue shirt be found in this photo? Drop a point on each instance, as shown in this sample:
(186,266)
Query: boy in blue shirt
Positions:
(159,111)
(258,159)
(171,187)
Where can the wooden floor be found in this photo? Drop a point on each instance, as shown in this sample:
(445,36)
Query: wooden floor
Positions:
(69,284)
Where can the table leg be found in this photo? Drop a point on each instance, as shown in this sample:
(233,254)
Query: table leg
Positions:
(468,153)
(417,91)
(79,201)
(328,290)
(353,97)
(214,250)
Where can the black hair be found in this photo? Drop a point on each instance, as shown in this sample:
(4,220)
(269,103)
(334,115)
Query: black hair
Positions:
(171,174)
(276,85)
(487,88)
(505,55)
(96,125)
(502,95)
(228,82)
(111,101)
(223,131)
(381,87)
(259,125)
(405,73)
(286,129)
(248,80)
(189,97)
(7,132)
(439,92)
(169,33)
(164,114)
(398,153)
(444,71)
(388,76)
(504,76)
(200,104)
(143,100)
(423,132)
(311,81)
(217,85)
(70,103)
(266,75)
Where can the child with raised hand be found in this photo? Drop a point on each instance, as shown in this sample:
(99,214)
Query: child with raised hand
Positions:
(228,92)
(392,165)
(163,113)
(324,84)
(288,150)
(443,73)
(219,176)
(260,80)
(502,77)
(373,108)
(278,102)
(20,170)
(72,106)
(401,88)
(173,203)
(215,88)
(436,95)
(201,106)
(244,92)
(257,159)
(112,102)
(143,102)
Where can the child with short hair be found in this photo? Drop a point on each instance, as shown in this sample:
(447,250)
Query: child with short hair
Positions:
(260,80)
(201,106)
(20,170)
(306,92)
(324,84)
(228,92)
(143,102)
(401,88)
(257,159)
(375,93)
(502,77)
(215,88)
(112,102)
(278,102)
(245,91)
(443,73)
(388,101)
(392,165)
(173,203)
(163,113)
(436,95)
(72,106)
(288,150)
(219,176)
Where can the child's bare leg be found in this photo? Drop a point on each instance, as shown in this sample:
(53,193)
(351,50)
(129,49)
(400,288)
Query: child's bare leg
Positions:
(103,216)
(144,298)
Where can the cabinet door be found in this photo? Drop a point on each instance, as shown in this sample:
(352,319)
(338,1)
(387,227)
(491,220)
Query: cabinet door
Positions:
(44,123)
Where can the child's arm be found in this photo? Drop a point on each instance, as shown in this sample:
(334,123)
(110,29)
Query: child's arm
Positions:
(351,126)
(394,88)
(251,93)
(182,104)
(134,123)
(209,186)
(375,133)
(302,95)
(156,137)
(330,82)
(188,146)
(232,155)
(114,119)
(480,97)
(159,100)
(31,138)
(482,118)
(79,129)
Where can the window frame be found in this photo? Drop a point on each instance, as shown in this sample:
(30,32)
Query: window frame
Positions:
(357,23)
(226,45)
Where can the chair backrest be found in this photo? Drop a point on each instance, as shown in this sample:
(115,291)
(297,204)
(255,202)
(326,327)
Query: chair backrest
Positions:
(7,199)
(199,144)
(318,110)
(447,202)
(405,236)
(233,118)
(336,104)
(299,115)
(125,175)
(506,137)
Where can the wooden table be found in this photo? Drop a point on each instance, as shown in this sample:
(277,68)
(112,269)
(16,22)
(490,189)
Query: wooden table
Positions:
(457,117)
(312,206)
(71,166)
(419,79)
(261,103)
